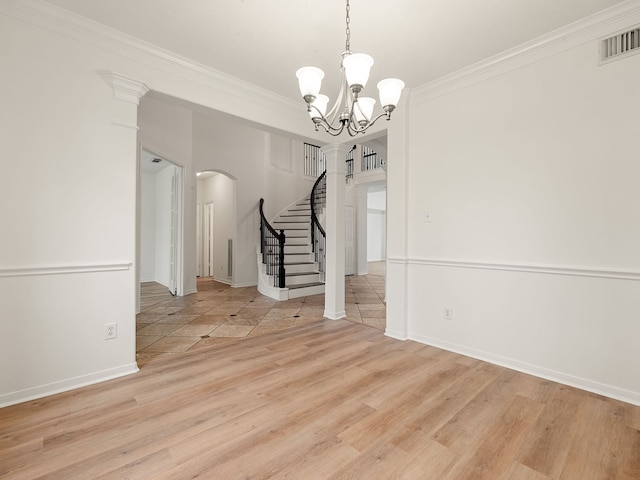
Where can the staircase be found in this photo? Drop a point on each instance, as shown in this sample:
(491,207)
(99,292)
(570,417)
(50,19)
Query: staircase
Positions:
(301,274)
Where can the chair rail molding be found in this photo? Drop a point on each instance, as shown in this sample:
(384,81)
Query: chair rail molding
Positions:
(580,271)
(40,270)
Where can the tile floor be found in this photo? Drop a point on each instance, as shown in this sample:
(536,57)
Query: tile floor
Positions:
(169,325)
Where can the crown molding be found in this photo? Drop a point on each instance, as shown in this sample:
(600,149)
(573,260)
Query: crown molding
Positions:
(588,29)
(50,17)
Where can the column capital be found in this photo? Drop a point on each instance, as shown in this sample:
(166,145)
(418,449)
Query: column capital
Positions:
(335,155)
(124,88)
(336,148)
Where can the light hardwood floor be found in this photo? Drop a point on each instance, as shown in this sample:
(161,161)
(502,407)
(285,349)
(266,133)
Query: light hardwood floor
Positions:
(325,400)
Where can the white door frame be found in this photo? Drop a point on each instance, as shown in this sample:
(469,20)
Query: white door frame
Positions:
(177,231)
(208,239)
(199,236)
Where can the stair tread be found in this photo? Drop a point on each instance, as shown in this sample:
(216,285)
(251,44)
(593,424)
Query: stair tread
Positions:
(303,285)
(292,263)
(299,274)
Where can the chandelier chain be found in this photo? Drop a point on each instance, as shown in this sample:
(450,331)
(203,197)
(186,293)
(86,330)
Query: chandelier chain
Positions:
(348,30)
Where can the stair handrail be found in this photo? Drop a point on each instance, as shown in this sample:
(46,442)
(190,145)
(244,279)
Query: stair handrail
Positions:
(269,239)
(318,236)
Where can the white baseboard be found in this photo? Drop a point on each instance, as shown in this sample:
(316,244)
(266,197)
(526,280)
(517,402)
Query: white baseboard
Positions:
(244,284)
(606,390)
(334,315)
(397,334)
(40,391)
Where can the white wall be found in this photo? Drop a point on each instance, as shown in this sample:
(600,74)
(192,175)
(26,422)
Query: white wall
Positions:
(239,152)
(548,179)
(263,165)
(376,226)
(68,187)
(147,227)
(285,182)
(531,178)
(70,264)
(376,220)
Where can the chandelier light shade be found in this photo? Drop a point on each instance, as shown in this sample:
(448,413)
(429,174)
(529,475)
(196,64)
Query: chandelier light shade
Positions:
(310,81)
(357,67)
(390,90)
(363,110)
(319,106)
(350,112)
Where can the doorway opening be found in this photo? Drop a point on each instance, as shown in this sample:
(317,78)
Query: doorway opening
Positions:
(160,223)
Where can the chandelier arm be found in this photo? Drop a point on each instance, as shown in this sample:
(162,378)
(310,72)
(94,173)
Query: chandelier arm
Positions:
(329,129)
(337,108)
(356,129)
(324,123)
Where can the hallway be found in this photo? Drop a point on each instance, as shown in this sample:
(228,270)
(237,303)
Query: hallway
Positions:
(217,314)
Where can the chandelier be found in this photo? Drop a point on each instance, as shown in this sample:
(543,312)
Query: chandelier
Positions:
(350,111)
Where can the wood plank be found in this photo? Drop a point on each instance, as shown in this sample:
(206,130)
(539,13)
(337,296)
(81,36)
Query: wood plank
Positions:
(329,399)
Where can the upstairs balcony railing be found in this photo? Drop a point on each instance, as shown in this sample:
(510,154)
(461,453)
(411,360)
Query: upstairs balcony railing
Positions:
(370,160)
(315,163)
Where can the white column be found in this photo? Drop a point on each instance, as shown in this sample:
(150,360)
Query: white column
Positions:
(335,155)
(129,91)
(397,224)
(361,230)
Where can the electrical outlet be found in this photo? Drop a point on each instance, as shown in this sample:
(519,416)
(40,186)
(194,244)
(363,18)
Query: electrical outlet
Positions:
(448,313)
(110,331)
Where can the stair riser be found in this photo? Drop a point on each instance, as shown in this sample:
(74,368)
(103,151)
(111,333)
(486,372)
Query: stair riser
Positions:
(295,216)
(305,292)
(297,249)
(300,227)
(298,268)
(291,257)
(295,268)
(302,279)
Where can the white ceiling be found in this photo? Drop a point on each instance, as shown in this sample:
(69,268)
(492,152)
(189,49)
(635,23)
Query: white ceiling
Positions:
(264,42)
(148,165)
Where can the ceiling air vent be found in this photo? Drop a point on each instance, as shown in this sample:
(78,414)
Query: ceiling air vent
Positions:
(620,45)
(156,160)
